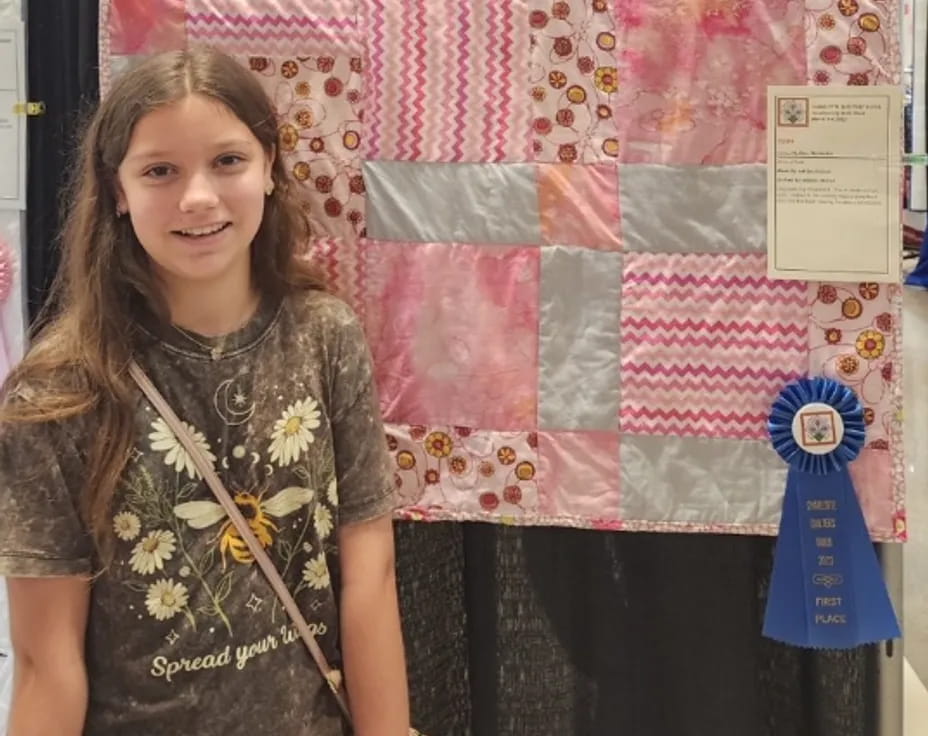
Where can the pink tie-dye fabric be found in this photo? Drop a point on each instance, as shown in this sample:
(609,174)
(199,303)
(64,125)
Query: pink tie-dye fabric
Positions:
(453,330)
(145,26)
(573,460)
(694,76)
(578,205)
(873,478)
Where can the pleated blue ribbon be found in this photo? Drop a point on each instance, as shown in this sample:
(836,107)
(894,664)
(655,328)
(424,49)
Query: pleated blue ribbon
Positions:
(827,589)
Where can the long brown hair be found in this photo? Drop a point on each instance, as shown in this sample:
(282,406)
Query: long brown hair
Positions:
(78,363)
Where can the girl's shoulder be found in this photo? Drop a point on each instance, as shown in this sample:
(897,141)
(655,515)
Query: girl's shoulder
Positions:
(324,317)
(56,408)
(315,304)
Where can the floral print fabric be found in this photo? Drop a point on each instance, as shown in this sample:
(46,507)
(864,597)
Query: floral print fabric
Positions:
(855,338)
(480,472)
(318,102)
(573,81)
(854,42)
(852,339)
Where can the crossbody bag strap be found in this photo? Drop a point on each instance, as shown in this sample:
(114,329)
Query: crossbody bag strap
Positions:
(332,676)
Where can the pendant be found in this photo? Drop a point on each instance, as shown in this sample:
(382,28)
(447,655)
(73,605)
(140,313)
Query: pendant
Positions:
(215,353)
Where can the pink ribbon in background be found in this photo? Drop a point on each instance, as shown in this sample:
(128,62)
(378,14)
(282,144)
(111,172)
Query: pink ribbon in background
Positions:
(6,287)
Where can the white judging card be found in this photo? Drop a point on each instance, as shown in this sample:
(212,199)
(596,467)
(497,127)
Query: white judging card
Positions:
(12,123)
(833,183)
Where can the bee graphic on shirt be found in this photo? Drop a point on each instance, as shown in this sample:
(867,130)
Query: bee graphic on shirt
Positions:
(259,512)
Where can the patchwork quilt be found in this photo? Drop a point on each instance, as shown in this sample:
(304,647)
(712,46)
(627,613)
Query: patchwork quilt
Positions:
(551,216)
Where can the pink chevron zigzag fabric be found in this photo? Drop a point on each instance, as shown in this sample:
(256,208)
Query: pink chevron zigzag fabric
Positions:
(446,81)
(708,344)
(275,27)
(548,349)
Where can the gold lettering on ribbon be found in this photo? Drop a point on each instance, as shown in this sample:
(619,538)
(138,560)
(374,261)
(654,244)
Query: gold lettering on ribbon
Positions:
(827,580)
(830,505)
(831,619)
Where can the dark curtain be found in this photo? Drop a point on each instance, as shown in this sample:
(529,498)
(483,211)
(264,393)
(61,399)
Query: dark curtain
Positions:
(62,72)
(596,634)
(536,632)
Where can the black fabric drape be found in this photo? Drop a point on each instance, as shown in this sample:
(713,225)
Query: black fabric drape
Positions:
(62,72)
(536,632)
(595,634)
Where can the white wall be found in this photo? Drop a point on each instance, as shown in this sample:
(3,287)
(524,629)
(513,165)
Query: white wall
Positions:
(914,28)
(12,321)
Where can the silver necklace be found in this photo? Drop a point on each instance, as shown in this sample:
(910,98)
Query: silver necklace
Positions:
(215,351)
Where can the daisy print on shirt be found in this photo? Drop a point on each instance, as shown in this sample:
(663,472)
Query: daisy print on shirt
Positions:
(183,558)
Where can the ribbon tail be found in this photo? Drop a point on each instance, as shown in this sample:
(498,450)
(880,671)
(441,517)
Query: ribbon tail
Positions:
(827,589)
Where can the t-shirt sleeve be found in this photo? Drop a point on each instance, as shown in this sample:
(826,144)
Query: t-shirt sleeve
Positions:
(362,461)
(41,532)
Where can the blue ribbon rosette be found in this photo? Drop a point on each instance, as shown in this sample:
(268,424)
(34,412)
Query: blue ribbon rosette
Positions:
(827,589)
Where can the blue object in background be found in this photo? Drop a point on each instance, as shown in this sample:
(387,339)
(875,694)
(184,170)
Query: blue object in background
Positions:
(919,277)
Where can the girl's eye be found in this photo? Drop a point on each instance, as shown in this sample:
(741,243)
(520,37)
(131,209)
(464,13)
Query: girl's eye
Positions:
(158,172)
(230,159)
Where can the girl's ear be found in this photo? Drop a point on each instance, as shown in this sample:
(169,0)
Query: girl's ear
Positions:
(122,205)
(268,166)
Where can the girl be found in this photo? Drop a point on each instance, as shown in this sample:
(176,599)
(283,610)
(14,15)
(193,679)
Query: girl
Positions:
(135,606)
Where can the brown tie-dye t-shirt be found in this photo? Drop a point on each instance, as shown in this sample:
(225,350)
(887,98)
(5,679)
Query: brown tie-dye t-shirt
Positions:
(185,635)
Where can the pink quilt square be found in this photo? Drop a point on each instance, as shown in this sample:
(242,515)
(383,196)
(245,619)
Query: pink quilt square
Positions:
(454,332)
(573,81)
(277,27)
(873,480)
(257,11)
(146,26)
(341,265)
(694,76)
(579,205)
(466,472)
(318,102)
(708,342)
(448,80)
(853,42)
(579,475)
(853,339)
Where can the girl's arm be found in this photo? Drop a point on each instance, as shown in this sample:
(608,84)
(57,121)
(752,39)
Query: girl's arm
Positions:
(372,641)
(48,623)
